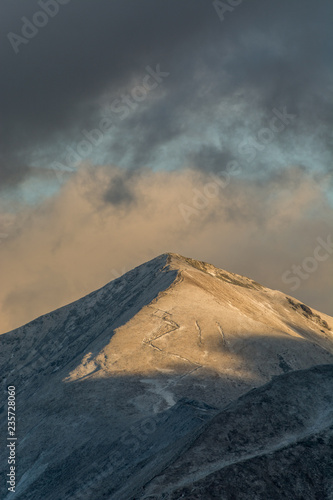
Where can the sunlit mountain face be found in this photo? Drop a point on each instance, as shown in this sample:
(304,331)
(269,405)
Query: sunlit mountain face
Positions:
(129,129)
(203,127)
(137,370)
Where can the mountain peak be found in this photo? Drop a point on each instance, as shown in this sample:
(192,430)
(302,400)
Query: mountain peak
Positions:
(171,328)
(181,263)
(175,314)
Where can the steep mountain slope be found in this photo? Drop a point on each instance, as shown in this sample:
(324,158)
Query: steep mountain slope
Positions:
(120,468)
(275,442)
(171,328)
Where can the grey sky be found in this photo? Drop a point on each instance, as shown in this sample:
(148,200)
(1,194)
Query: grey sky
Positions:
(114,114)
(225,77)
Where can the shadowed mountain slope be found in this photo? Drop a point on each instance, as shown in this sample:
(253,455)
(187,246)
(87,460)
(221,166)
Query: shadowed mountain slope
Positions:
(274,442)
(170,328)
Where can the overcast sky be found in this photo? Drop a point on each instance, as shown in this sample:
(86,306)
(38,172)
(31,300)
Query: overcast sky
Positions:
(148,95)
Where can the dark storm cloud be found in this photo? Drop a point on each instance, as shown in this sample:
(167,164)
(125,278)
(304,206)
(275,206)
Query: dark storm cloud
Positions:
(119,192)
(265,54)
(211,158)
(12,171)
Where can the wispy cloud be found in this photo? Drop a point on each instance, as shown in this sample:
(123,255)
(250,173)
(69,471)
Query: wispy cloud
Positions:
(73,243)
(82,90)
(223,81)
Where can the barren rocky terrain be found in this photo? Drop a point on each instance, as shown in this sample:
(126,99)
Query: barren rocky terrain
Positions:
(141,390)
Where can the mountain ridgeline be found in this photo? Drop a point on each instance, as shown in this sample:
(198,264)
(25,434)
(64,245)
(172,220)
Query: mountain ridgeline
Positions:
(176,380)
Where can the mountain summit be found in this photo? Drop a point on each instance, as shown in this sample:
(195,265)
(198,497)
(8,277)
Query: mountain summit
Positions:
(170,329)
